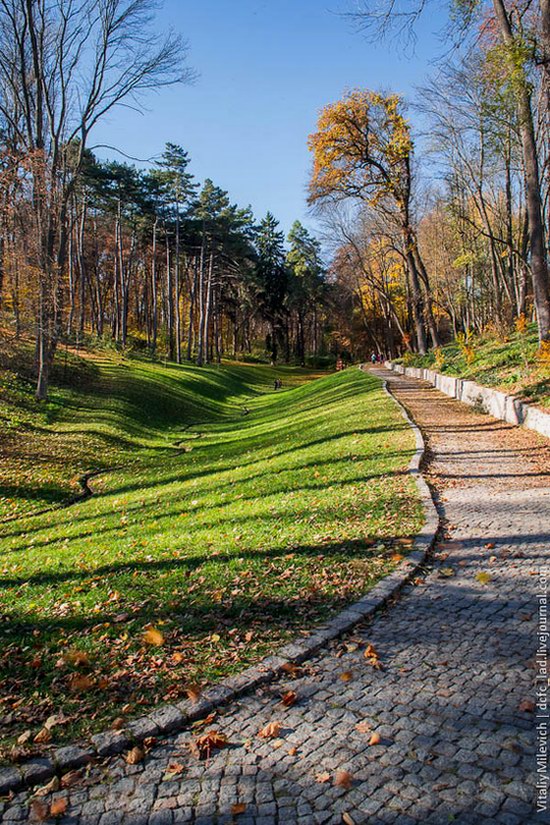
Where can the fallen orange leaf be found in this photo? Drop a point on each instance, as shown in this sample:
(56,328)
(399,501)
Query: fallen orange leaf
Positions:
(58,807)
(135,755)
(289,698)
(238,808)
(363,727)
(153,637)
(271,730)
(322,777)
(203,746)
(343,779)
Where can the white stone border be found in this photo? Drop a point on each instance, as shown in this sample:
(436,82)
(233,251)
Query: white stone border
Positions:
(167,719)
(508,408)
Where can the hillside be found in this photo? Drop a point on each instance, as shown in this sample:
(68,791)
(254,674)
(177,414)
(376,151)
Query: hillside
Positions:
(514,365)
(228,516)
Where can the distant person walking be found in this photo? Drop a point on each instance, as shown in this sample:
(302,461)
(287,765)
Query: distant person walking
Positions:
(373,358)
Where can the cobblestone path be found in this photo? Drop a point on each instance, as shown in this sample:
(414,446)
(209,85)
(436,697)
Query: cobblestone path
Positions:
(451,705)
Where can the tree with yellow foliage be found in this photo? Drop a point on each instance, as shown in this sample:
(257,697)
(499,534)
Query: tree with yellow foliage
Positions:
(362,150)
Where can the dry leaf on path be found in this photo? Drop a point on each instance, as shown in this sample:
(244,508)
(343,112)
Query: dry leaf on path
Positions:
(343,779)
(372,657)
(52,786)
(270,731)
(200,723)
(39,810)
(289,698)
(375,739)
(71,778)
(322,777)
(347,676)
(135,755)
(483,578)
(58,807)
(363,727)
(347,819)
(174,769)
(527,706)
(238,808)
(203,746)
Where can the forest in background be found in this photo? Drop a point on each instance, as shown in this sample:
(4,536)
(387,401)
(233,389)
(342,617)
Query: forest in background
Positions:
(420,249)
(454,242)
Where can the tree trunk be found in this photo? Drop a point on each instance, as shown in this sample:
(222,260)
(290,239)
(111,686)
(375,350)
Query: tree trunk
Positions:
(177,330)
(154,291)
(539,262)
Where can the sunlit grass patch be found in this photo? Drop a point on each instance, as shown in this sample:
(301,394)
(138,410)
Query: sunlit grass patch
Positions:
(235,517)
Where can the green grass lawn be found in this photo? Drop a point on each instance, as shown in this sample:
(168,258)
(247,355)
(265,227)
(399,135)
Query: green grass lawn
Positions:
(513,365)
(251,529)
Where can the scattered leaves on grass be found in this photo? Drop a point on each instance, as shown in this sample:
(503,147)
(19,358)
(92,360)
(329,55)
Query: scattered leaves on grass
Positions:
(153,637)
(43,737)
(54,720)
(270,731)
(80,683)
(193,692)
(202,746)
(77,657)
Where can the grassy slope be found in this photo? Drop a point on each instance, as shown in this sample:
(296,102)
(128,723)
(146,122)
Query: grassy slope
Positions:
(263,524)
(512,365)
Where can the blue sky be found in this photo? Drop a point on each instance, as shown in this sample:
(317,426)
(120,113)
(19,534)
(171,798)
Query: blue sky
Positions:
(265,69)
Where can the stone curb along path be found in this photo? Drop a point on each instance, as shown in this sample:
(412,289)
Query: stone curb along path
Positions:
(168,719)
(508,408)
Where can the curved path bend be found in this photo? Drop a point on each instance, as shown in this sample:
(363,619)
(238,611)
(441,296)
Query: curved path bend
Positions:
(451,705)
